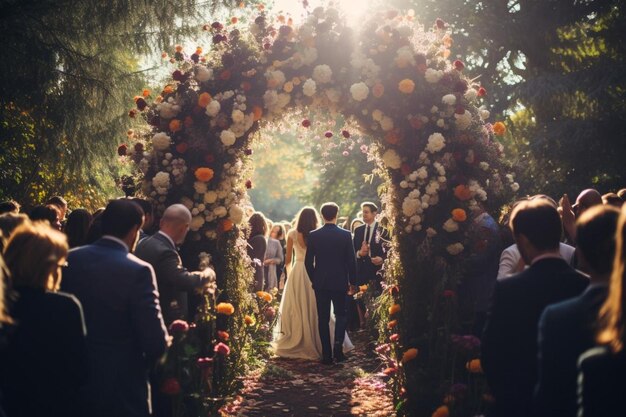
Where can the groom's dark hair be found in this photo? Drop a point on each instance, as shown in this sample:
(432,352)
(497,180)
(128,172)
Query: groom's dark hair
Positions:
(373,207)
(329,211)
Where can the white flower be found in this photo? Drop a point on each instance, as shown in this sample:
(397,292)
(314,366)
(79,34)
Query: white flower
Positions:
(404,184)
(203,73)
(220,211)
(200,187)
(392,159)
(455,248)
(441,170)
(416,219)
(283,100)
(278,77)
(422,173)
(408,229)
(432,187)
(471,94)
(434,109)
(168,109)
(196,223)
(433,75)
(386,123)
(449,99)
(227,137)
(161,141)
(213,108)
(515,187)
(483,113)
(309,56)
(270,98)
(161,182)
(463,121)
(322,74)
(430,232)
(404,57)
(377,115)
(410,206)
(484,166)
(210,197)
(436,142)
(441,123)
(450,226)
(235,214)
(237,116)
(309,88)
(359,91)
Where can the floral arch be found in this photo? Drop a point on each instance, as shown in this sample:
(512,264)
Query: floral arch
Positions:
(393,81)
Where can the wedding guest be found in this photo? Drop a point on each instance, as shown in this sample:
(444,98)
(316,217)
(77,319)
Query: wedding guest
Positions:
(77,227)
(257,246)
(612,199)
(287,225)
(273,257)
(95,229)
(369,242)
(60,203)
(354,224)
(278,233)
(8,223)
(601,380)
(509,343)
(174,280)
(49,213)
(9,206)
(568,329)
(511,261)
(125,330)
(45,361)
(148,209)
(586,199)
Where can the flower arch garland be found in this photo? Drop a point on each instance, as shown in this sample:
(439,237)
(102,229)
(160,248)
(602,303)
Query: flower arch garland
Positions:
(396,83)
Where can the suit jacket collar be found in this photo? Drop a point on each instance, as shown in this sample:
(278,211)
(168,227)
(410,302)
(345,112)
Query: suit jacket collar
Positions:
(165,238)
(330,225)
(112,242)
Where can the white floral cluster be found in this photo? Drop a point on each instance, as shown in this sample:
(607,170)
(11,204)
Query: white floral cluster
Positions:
(161,183)
(161,141)
(168,109)
(203,73)
(511,179)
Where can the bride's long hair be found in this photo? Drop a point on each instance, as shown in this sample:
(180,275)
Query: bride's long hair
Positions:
(307,221)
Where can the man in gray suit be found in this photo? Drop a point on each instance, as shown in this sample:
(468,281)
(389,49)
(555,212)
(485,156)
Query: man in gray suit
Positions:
(125,330)
(173,279)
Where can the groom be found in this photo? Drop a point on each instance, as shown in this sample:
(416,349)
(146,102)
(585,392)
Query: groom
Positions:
(331,265)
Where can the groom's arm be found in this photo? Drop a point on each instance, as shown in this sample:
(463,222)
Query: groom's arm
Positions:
(310,257)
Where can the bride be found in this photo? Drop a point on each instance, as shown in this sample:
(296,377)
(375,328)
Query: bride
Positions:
(296,333)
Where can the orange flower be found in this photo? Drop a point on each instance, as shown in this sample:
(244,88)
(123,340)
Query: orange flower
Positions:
(459,215)
(179,48)
(164,55)
(198,50)
(409,355)
(175,125)
(406,86)
(146,92)
(499,128)
(226,225)
(392,324)
(257,111)
(394,309)
(168,89)
(392,137)
(442,411)
(204,174)
(204,99)
(233,20)
(462,192)
(362,288)
(378,90)
(249,320)
(225,308)
(474,366)
(265,296)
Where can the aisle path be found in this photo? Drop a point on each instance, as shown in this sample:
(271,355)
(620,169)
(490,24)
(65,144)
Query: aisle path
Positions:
(293,387)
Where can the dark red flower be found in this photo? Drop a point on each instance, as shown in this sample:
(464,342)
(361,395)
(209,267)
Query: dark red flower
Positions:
(195,58)
(132,113)
(121,150)
(449,294)
(248,152)
(138,147)
(217,26)
(459,110)
(405,169)
(306,123)
(179,326)
(482,92)
(222,349)
(170,386)
(267,45)
(141,104)
(328,134)
(155,121)
(440,23)
(460,86)
(345,134)
(458,65)
(248,184)
(178,75)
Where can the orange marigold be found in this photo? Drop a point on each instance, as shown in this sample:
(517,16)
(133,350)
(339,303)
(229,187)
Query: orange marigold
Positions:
(168,89)
(225,308)
(249,320)
(462,192)
(474,366)
(204,174)
(406,86)
(146,92)
(409,355)
(362,288)
(179,48)
(442,411)
(459,215)
(394,309)
(264,296)
(226,225)
(204,99)
(175,125)
(499,128)
(392,324)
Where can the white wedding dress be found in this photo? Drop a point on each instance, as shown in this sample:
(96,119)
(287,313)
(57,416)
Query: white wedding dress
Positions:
(296,334)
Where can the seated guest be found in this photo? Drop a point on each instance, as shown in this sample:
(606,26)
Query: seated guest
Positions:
(126,335)
(9,206)
(568,328)
(49,213)
(602,381)
(509,344)
(77,226)
(45,360)
(173,279)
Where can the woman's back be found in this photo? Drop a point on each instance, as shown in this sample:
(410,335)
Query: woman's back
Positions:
(298,245)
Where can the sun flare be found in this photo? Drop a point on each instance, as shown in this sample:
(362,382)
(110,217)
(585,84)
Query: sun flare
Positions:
(353,10)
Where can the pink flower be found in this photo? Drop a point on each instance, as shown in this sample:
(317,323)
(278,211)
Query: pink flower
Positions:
(179,326)
(394,337)
(222,349)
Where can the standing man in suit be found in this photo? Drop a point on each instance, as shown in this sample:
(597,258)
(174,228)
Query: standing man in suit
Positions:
(509,344)
(331,266)
(369,245)
(125,331)
(568,329)
(173,279)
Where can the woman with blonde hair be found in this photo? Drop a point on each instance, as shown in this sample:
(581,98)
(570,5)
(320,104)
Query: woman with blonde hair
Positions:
(296,334)
(46,354)
(602,381)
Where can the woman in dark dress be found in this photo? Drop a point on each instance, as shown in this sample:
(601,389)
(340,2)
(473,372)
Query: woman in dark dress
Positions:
(602,381)
(257,245)
(44,362)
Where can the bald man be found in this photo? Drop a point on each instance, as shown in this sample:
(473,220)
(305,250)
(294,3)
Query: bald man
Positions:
(173,279)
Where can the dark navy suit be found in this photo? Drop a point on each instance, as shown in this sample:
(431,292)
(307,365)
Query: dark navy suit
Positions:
(125,330)
(566,330)
(331,265)
(367,272)
(509,344)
